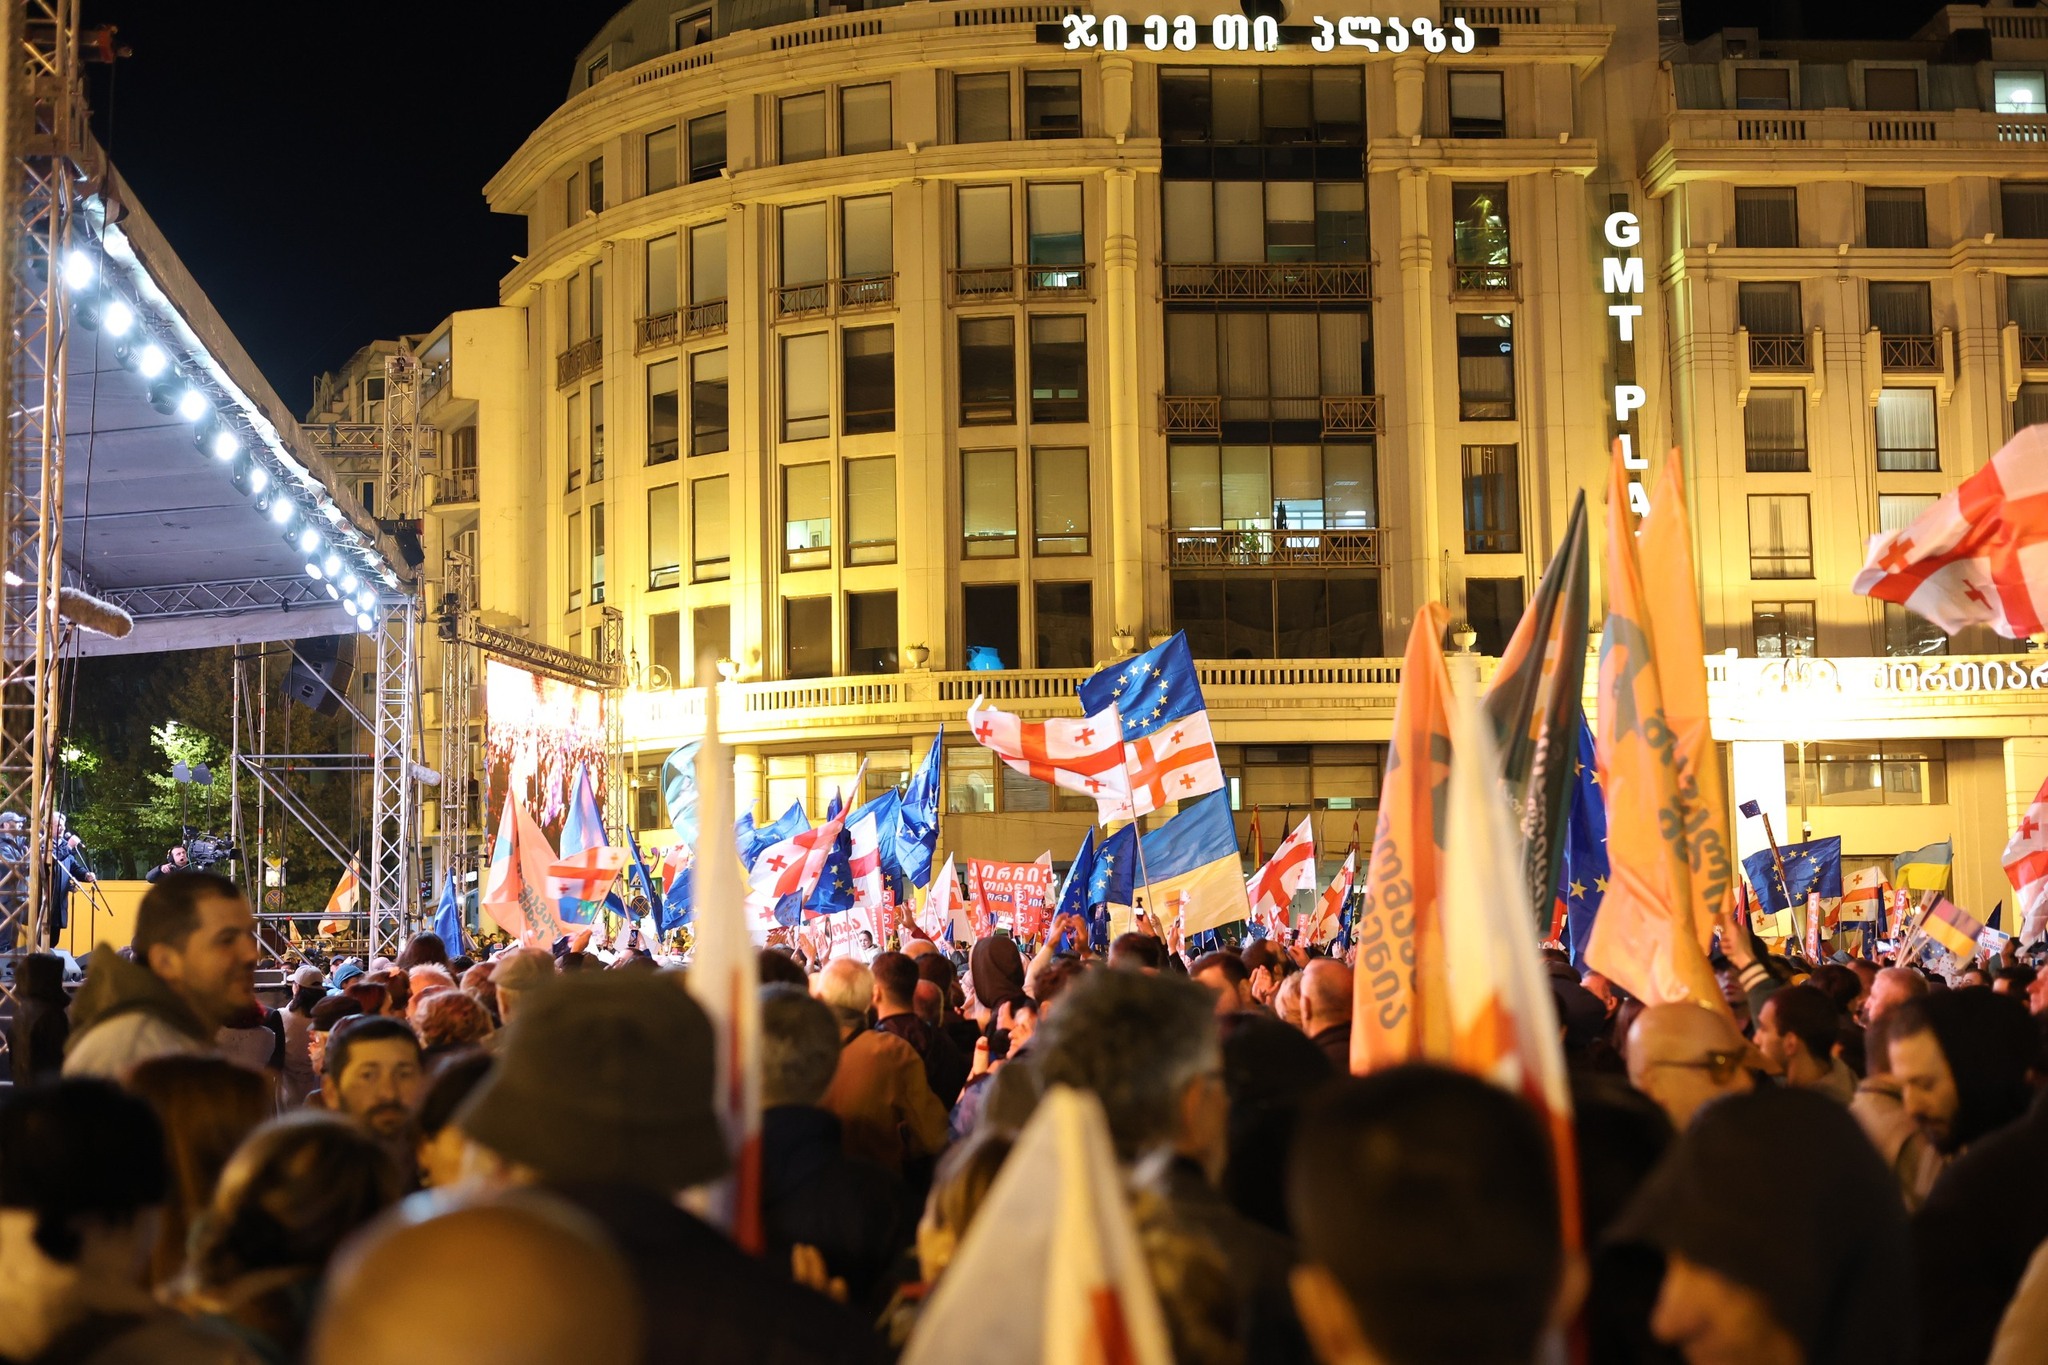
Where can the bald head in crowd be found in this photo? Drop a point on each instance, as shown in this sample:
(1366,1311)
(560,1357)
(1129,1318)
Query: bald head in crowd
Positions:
(1893,987)
(405,1288)
(1325,995)
(1684,1056)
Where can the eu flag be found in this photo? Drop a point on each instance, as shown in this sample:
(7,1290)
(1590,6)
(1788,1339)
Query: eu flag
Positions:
(916,836)
(1073,899)
(1813,868)
(1150,691)
(1583,869)
(834,891)
(753,841)
(1110,881)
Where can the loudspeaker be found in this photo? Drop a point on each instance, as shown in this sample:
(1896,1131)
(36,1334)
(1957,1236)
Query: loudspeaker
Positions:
(328,657)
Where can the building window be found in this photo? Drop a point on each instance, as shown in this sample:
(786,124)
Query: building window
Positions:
(597,433)
(1478,104)
(1907,632)
(1059,368)
(664,537)
(1769,308)
(598,68)
(1774,431)
(1897,511)
(988,504)
(807,637)
(1901,309)
(1271,107)
(574,426)
(707,263)
(662,266)
(576,306)
(801,123)
(1282,487)
(576,564)
(1287,615)
(1052,104)
(2030,408)
(988,371)
(665,648)
(864,119)
(1063,620)
(1479,236)
(868,392)
(366,495)
(871,632)
(596,323)
(981,107)
(1269,366)
(594,177)
(970,780)
(690,30)
(2026,303)
(664,411)
(1906,432)
(806,247)
(710,638)
(1767,217)
(1894,217)
(597,548)
(1783,630)
(708,402)
(2023,208)
(1493,500)
(659,160)
(572,200)
(710,529)
(1059,500)
(2020,92)
(1891,88)
(871,511)
(866,240)
(1486,367)
(983,228)
(989,625)
(1780,536)
(807,516)
(806,376)
(707,146)
(1052,216)
(1849,773)
(1492,608)
(1763,87)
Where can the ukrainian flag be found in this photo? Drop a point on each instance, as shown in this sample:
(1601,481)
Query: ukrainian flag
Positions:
(1924,869)
(1189,867)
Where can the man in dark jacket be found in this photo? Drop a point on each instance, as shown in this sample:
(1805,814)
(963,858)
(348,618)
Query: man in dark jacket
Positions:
(812,1193)
(603,1088)
(36,1035)
(896,978)
(1326,1010)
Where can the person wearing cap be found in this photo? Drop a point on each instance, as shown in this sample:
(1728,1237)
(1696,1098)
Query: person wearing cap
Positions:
(309,988)
(194,972)
(515,976)
(603,1093)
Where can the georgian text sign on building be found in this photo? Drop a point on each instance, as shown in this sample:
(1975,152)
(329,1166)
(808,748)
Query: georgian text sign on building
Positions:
(1849,679)
(1237,33)
(1961,675)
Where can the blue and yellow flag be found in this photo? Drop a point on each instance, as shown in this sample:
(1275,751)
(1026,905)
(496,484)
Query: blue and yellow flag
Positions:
(1191,868)
(1925,869)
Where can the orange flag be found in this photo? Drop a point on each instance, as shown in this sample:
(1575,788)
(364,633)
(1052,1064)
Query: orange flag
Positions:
(1400,1011)
(1667,848)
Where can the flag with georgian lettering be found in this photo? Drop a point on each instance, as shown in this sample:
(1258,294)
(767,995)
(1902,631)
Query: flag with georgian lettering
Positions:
(2026,867)
(1291,870)
(1979,555)
(1084,755)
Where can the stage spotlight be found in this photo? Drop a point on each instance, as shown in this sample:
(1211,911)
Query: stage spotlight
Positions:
(259,478)
(263,502)
(192,405)
(78,271)
(117,318)
(332,593)
(164,395)
(312,569)
(281,510)
(151,361)
(367,624)
(349,581)
(85,313)
(226,445)
(309,541)
(332,564)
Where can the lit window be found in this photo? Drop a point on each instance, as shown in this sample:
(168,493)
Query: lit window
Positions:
(1780,536)
(707,146)
(1783,630)
(988,371)
(2020,92)
(981,108)
(1774,431)
(806,376)
(988,511)
(1052,104)
(863,119)
(1059,500)
(807,516)
(1059,369)
(660,163)
(802,122)
(871,511)
(1493,500)
(663,540)
(1486,367)
(710,529)
(1906,432)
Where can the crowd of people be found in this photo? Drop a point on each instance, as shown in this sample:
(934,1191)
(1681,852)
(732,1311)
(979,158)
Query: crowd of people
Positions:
(508,1160)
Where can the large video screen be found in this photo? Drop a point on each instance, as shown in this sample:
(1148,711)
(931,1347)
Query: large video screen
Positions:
(537,731)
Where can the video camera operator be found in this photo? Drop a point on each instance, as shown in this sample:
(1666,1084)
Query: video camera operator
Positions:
(176,861)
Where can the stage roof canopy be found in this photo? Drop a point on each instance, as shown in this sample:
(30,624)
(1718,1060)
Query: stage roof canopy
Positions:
(192,498)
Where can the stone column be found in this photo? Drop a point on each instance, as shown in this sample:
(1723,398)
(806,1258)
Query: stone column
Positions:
(1120,325)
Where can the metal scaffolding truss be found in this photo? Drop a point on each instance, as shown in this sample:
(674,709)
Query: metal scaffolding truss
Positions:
(43,126)
(394,869)
(216,599)
(458,587)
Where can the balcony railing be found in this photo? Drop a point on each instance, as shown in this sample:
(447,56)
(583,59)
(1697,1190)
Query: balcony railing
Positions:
(1507,16)
(1852,128)
(835,296)
(1910,353)
(1482,281)
(454,486)
(803,300)
(1769,351)
(1257,281)
(579,360)
(865,291)
(436,379)
(2034,350)
(1285,547)
(998,283)
(700,318)
(659,330)
(1183,414)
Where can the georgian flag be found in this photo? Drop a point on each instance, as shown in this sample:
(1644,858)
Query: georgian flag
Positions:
(1176,762)
(1290,870)
(1328,919)
(2026,867)
(792,866)
(866,865)
(1085,755)
(1863,896)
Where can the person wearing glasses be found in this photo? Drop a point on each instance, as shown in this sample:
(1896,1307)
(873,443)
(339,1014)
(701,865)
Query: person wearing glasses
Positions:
(1684,1057)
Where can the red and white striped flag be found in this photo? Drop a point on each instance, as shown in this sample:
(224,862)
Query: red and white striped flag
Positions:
(1084,755)
(1863,894)
(865,862)
(1291,869)
(2026,867)
(1979,555)
(341,904)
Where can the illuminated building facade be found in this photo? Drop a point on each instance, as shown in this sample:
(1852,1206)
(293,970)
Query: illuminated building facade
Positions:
(902,355)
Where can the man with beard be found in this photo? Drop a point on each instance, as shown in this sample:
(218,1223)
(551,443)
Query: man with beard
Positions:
(374,1076)
(194,970)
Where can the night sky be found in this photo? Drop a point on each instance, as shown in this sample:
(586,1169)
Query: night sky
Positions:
(320,168)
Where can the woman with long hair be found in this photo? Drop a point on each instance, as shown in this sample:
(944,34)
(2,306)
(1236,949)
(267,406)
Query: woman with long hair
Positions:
(207,1107)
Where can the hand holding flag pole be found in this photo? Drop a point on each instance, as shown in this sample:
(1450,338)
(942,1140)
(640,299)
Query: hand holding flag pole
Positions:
(1755,808)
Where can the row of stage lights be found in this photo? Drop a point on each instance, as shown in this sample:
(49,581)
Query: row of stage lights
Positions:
(337,554)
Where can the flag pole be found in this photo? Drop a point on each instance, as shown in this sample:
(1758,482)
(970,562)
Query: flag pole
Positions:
(1777,859)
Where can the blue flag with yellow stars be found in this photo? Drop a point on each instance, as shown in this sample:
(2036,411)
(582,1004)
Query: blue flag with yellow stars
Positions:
(1810,868)
(834,891)
(1583,871)
(1111,882)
